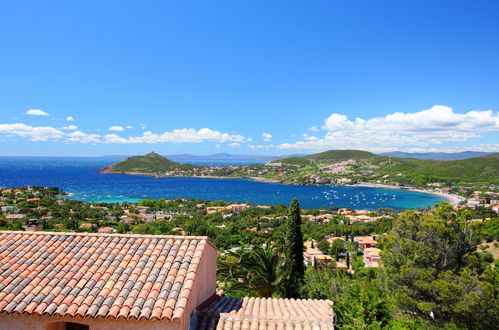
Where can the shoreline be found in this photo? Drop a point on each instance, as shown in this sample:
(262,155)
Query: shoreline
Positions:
(453,199)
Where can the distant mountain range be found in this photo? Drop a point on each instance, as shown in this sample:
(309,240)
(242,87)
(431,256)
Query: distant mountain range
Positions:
(437,155)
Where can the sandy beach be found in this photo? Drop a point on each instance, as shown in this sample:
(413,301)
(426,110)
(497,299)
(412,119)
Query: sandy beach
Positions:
(453,199)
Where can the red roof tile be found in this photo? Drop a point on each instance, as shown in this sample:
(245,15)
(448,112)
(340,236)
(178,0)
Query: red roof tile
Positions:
(97,275)
(266,313)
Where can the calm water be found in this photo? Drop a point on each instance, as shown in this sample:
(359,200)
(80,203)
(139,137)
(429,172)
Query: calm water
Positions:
(77,176)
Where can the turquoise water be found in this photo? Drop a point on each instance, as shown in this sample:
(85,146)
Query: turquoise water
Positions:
(78,176)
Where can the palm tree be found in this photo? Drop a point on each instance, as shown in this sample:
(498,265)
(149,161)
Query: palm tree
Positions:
(254,272)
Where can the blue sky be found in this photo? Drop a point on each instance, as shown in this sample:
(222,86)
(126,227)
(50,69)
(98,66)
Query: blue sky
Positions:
(262,77)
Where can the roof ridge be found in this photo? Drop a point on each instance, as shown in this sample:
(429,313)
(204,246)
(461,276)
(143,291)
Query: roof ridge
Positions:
(63,233)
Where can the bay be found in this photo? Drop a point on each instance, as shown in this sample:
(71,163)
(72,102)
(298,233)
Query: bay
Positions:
(77,176)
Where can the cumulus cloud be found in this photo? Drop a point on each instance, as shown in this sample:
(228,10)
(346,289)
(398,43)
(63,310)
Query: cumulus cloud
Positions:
(437,125)
(70,127)
(79,136)
(36,112)
(313,129)
(117,128)
(234,144)
(186,135)
(69,118)
(177,136)
(30,132)
(129,126)
(267,137)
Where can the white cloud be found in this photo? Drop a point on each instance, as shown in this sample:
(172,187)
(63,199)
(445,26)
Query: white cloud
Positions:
(143,126)
(81,137)
(218,146)
(260,146)
(267,137)
(177,136)
(129,126)
(186,135)
(36,112)
(478,147)
(234,144)
(437,125)
(309,137)
(69,118)
(70,127)
(30,132)
(117,128)
(313,129)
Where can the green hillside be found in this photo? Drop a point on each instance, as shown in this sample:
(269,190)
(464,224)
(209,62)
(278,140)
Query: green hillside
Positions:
(476,171)
(150,163)
(333,156)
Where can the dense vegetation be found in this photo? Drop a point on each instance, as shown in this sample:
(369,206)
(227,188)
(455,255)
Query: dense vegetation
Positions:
(481,170)
(437,271)
(433,277)
(150,163)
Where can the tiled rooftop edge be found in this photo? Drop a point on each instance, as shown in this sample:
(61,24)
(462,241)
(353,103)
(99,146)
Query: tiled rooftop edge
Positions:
(101,235)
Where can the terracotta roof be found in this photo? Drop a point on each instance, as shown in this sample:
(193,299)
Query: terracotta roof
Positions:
(97,275)
(266,313)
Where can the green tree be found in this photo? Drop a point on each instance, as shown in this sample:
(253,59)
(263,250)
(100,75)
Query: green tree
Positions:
(293,266)
(251,272)
(323,246)
(433,273)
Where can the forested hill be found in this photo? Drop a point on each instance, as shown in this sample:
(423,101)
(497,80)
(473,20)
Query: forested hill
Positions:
(329,167)
(150,163)
(480,170)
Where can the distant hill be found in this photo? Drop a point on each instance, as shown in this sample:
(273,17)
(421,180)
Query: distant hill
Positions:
(437,155)
(329,157)
(150,163)
(219,156)
(478,170)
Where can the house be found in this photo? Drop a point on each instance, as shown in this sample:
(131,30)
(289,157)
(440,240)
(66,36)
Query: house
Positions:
(365,242)
(52,281)
(235,208)
(106,230)
(15,216)
(360,218)
(227,313)
(10,208)
(86,225)
(313,256)
(372,257)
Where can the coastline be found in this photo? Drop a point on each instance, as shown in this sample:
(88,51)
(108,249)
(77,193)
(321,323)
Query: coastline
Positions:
(453,199)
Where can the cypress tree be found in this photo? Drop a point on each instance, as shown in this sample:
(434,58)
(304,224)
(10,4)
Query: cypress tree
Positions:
(294,269)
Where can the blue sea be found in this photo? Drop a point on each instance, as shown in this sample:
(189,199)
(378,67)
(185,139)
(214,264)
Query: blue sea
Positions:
(77,176)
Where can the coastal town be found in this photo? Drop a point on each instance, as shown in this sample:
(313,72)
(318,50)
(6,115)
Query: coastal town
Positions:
(339,237)
(231,257)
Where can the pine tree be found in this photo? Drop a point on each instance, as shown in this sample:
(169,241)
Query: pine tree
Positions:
(293,267)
